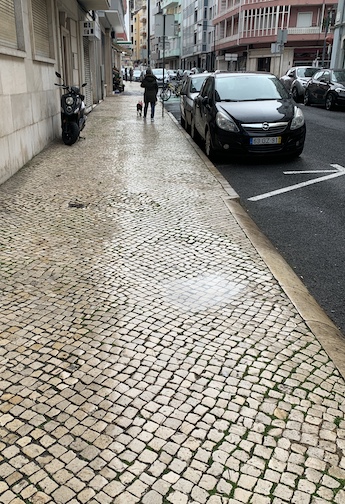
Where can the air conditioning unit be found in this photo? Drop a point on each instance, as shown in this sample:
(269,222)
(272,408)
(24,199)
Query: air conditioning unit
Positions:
(91,29)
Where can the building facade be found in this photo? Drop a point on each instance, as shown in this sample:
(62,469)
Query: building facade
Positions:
(248,34)
(38,38)
(170,51)
(198,35)
(338,52)
(139,40)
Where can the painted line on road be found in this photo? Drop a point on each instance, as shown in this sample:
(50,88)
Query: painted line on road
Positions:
(297,172)
(338,172)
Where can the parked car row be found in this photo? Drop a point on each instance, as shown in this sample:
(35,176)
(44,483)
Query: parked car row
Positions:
(313,85)
(327,87)
(242,113)
(169,75)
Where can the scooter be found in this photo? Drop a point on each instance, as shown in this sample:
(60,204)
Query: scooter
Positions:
(72,112)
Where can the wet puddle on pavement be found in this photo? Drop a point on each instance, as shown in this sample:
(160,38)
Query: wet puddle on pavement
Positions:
(202,292)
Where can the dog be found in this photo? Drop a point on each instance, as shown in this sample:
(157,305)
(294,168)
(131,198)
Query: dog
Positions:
(139,108)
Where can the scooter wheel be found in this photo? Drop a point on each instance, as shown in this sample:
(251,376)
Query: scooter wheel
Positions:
(70,134)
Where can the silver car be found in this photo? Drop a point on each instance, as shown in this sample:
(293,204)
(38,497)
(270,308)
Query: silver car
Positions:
(190,89)
(296,80)
(158,73)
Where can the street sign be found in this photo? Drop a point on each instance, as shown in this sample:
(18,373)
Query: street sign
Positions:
(164,25)
(277,48)
(231,57)
(166,45)
(282,37)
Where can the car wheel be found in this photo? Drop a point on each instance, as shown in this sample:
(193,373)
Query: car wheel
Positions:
(295,94)
(193,131)
(306,97)
(330,101)
(208,145)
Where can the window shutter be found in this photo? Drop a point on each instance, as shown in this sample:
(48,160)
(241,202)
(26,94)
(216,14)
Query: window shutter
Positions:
(41,28)
(8,32)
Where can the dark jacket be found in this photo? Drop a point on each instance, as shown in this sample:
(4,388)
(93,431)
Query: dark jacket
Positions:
(150,85)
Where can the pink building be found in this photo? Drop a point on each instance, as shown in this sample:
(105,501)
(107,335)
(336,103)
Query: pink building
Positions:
(247,32)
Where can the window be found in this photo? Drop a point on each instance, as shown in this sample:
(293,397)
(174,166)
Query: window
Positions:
(11,24)
(304,19)
(41,28)
(8,32)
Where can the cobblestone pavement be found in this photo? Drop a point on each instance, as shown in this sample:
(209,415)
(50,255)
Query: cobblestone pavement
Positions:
(147,354)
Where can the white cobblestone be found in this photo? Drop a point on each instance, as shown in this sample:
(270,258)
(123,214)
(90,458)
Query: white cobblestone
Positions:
(148,354)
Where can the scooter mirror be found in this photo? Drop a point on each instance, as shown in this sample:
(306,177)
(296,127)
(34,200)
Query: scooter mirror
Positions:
(83,85)
(58,75)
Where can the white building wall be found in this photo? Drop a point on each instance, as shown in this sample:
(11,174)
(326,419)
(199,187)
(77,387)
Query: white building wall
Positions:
(29,100)
(28,103)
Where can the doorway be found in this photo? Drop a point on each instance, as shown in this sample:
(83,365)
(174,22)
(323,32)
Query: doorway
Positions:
(264,64)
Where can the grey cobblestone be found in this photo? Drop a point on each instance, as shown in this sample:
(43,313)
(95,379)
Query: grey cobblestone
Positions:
(147,353)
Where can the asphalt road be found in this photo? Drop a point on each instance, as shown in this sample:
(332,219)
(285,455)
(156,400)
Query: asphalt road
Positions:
(300,205)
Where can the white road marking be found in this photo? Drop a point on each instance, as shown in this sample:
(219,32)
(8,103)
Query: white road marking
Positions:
(337,171)
(297,172)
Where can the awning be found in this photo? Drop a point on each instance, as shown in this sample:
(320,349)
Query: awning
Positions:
(112,19)
(122,48)
(95,4)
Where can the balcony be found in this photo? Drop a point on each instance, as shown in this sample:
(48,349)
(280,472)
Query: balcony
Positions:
(113,17)
(171,53)
(165,4)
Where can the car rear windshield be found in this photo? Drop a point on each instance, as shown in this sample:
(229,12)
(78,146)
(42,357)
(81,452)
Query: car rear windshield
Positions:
(339,75)
(249,88)
(306,72)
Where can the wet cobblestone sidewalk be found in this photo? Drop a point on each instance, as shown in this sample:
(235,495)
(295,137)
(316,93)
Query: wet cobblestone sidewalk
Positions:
(147,354)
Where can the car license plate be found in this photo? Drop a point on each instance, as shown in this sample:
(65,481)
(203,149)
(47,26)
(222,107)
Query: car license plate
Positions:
(265,140)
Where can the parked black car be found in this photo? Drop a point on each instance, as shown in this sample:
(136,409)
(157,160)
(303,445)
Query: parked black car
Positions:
(247,113)
(327,87)
(296,80)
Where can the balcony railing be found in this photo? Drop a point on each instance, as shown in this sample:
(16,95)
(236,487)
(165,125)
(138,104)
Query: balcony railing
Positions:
(172,52)
(314,30)
(305,31)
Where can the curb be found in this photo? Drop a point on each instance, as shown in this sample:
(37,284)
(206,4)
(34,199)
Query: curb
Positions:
(326,332)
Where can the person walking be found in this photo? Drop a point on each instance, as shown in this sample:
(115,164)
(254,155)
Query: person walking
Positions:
(130,74)
(149,83)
